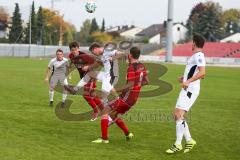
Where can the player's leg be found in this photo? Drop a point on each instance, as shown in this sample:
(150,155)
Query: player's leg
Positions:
(89,97)
(120,109)
(64,94)
(104,126)
(52,84)
(184,103)
(90,75)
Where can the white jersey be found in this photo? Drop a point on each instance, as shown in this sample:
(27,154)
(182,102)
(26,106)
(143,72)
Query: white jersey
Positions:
(59,68)
(110,67)
(195,61)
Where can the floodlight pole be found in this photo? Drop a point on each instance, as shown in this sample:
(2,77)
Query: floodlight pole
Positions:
(169,31)
(30,33)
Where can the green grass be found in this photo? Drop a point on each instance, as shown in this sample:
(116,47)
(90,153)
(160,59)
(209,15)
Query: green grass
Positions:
(30,130)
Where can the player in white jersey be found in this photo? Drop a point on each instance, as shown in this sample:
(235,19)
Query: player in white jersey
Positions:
(110,74)
(57,71)
(190,83)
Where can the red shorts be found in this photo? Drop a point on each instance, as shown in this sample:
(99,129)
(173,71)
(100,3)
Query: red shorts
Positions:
(91,85)
(119,105)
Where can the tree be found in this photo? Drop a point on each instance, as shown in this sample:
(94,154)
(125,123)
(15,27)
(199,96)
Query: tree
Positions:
(84,35)
(32,20)
(101,37)
(231,19)
(94,26)
(55,27)
(4,17)
(16,29)
(205,19)
(40,25)
(103,26)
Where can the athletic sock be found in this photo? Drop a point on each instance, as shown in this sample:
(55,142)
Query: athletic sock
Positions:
(179,131)
(51,94)
(122,125)
(187,134)
(104,128)
(82,82)
(64,97)
(98,102)
(92,103)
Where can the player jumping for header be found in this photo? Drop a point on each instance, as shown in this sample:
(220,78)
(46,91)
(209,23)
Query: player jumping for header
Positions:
(136,78)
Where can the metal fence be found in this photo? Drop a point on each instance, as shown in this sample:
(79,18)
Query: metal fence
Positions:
(25,50)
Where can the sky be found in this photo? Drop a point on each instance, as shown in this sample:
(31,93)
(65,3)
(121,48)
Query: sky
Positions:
(142,13)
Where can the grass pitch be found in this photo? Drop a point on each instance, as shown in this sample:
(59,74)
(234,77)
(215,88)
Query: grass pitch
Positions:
(30,130)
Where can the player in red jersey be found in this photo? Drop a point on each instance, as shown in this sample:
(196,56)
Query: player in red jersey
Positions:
(136,78)
(79,60)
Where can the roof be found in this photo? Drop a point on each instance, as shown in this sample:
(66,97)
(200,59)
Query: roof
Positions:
(152,30)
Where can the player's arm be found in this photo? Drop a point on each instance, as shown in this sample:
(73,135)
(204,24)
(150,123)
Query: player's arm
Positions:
(201,74)
(145,80)
(129,84)
(95,65)
(47,74)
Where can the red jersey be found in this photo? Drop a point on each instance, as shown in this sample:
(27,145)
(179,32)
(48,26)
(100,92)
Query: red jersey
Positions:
(81,60)
(137,74)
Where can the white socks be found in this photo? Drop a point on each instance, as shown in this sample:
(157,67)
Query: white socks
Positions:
(64,96)
(187,134)
(179,131)
(82,82)
(182,130)
(51,94)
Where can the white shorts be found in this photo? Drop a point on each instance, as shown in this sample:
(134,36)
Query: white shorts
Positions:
(185,100)
(54,80)
(108,82)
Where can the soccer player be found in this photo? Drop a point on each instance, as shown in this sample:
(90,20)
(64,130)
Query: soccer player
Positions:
(190,83)
(79,60)
(57,71)
(109,76)
(136,78)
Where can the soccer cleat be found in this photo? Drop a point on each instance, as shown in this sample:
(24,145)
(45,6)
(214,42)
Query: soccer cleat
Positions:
(174,149)
(129,136)
(100,140)
(94,117)
(189,145)
(51,103)
(63,104)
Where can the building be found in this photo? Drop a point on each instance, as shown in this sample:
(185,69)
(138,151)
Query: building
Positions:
(156,33)
(232,38)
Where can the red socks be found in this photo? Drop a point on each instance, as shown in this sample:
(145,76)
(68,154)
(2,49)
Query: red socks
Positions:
(104,127)
(92,103)
(122,125)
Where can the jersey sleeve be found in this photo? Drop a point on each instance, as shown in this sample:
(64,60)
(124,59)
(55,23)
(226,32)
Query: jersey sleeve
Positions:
(200,60)
(50,64)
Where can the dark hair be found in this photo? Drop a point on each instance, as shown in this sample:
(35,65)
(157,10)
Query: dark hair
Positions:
(59,50)
(135,52)
(74,44)
(94,45)
(198,40)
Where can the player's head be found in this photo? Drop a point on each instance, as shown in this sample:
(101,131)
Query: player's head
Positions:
(74,47)
(59,54)
(96,49)
(134,54)
(198,42)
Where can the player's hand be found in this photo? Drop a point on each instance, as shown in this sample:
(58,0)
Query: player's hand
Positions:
(185,85)
(180,79)
(110,58)
(85,68)
(46,80)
